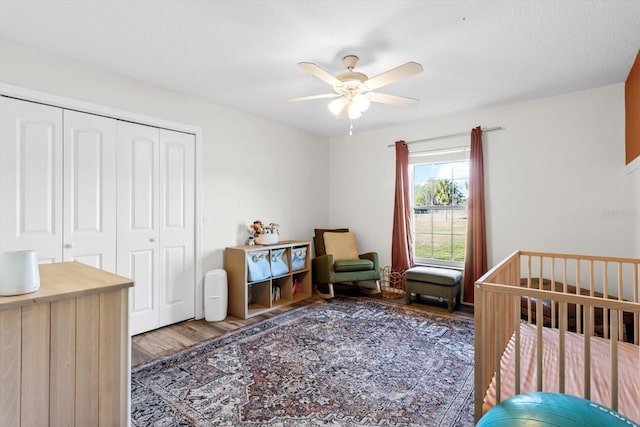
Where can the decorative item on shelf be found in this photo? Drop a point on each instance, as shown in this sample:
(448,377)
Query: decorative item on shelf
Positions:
(265,235)
(275,293)
(392,283)
(296,287)
(251,241)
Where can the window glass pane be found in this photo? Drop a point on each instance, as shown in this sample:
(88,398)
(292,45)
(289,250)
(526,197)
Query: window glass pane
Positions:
(461,170)
(459,192)
(459,247)
(422,194)
(423,245)
(422,221)
(442,192)
(460,222)
(442,221)
(442,248)
(422,172)
(442,171)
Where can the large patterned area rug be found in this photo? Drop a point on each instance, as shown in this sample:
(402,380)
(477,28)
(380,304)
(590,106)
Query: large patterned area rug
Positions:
(344,362)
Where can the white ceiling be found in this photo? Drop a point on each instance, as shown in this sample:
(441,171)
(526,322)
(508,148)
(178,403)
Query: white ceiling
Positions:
(243,54)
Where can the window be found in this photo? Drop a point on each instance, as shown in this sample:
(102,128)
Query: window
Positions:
(440,193)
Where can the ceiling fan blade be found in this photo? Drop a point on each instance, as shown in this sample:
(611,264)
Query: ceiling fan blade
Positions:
(308,98)
(384,98)
(312,68)
(401,72)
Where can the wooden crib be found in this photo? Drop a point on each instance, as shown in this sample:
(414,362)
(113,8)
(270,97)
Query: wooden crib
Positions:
(559,323)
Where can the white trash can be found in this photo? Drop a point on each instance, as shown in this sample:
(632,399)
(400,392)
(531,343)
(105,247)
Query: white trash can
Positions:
(215,295)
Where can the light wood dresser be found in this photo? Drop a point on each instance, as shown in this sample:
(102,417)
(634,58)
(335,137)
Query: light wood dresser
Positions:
(64,350)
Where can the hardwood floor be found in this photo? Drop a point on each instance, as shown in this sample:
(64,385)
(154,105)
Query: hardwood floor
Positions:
(170,339)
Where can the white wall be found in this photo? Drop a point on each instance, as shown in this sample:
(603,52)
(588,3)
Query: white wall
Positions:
(252,168)
(555,176)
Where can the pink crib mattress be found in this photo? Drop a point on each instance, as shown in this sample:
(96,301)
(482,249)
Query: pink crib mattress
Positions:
(628,369)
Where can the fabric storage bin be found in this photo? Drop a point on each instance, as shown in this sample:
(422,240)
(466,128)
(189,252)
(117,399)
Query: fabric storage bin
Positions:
(279,262)
(298,258)
(258,266)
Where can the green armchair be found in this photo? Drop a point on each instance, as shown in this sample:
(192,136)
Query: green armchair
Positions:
(338,261)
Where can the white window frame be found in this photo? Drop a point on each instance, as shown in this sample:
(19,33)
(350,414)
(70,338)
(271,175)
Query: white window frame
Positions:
(445,155)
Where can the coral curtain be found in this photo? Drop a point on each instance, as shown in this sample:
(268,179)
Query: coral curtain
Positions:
(402,239)
(476,250)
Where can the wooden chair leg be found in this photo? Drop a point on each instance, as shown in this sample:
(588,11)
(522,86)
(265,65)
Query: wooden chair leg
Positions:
(327,295)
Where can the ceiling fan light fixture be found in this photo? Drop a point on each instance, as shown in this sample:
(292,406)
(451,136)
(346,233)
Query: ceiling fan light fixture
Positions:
(361,102)
(354,113)
(336,106)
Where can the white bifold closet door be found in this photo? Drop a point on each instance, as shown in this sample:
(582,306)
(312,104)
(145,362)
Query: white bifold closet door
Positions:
(57,183)
(89,225)
(156,223)
(31,178)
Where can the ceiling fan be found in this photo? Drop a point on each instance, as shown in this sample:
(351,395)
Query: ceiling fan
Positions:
(354,91)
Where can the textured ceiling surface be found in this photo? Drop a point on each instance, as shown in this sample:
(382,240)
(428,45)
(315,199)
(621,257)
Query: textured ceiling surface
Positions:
(242,54)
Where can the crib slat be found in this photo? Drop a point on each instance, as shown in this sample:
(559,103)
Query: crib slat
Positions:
(578,306)
(539,325)
(614,361)
(561,347)
(529,286)
(636,317)
(587,357)
(605,292)
(620,327)
(565,285)
(554,320)
(592,292)
(564,276)
(498,348)
(516,328)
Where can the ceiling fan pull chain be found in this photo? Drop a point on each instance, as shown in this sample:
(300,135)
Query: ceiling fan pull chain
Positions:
(350,127)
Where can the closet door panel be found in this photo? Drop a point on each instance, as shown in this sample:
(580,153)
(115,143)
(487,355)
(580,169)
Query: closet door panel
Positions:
(177,197)
(142,264)
(173,268)
(143,187)
(31,178)
(137,246)
(90,190)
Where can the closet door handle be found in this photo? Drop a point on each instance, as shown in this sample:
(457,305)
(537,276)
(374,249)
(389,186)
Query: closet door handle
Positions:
(68,246)
(152,240)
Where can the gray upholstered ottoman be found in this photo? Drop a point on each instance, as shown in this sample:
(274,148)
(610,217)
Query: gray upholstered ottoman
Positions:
(434,281)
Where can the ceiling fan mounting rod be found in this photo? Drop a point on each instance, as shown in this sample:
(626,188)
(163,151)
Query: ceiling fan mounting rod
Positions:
(350,61)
